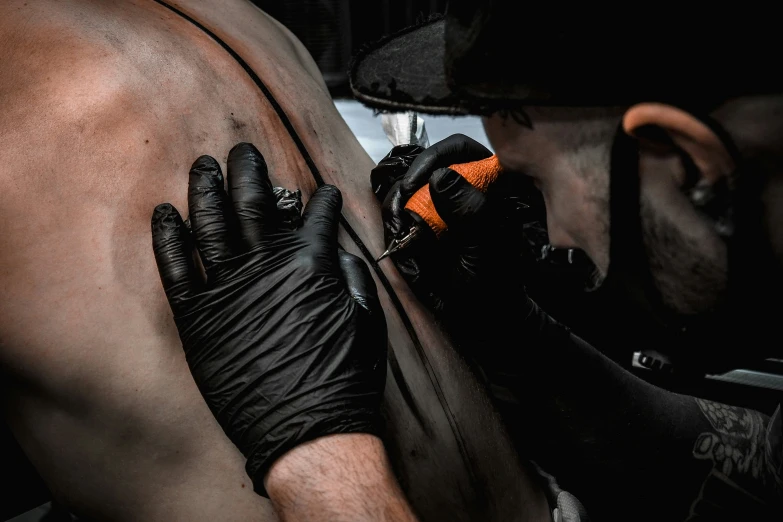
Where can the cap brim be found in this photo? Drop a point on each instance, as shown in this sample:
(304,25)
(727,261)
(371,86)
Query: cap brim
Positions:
(405,72)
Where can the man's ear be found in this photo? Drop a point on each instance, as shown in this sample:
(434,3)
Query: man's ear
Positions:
(686,132)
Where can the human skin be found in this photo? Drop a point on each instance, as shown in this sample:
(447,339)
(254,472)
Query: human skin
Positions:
(339,478)
(567,153)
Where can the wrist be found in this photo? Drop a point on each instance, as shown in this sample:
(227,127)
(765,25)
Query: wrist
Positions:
(307,464)
(337,477)
(264,446)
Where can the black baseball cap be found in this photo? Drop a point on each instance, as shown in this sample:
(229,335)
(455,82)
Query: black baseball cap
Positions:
(485,56)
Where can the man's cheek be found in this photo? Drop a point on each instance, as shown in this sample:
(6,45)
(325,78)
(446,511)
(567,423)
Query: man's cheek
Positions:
(577,223)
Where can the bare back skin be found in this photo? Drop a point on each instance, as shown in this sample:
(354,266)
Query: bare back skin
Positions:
(103,108)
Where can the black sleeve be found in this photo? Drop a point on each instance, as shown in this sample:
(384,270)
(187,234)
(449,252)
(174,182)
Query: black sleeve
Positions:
(624,446)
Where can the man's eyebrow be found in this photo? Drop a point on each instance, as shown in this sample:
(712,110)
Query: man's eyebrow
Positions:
(522,118)
(518,115)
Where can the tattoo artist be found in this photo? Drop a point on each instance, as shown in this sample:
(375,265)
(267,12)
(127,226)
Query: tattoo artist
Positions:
(665,172)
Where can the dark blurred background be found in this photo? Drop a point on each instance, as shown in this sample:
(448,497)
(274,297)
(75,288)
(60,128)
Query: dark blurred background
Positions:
(333,30)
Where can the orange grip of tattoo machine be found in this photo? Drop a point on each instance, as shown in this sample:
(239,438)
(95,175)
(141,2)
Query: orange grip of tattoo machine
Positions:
(481,174)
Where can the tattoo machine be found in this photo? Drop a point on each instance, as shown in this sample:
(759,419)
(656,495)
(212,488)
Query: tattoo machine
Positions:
(481,174)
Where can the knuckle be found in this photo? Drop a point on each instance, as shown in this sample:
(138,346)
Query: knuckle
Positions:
(330,190)
(309,263)
(353,264)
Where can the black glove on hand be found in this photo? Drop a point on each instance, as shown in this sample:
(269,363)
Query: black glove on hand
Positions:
(286,338)
(473,276)
(457,148)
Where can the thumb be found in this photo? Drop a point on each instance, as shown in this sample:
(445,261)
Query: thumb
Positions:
(461,205)
(362,289)
(359,282)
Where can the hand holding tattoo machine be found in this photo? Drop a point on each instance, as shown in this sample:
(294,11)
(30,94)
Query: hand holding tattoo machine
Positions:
(408,129)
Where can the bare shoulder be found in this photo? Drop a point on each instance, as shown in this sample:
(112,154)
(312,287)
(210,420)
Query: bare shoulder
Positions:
(97,72)
(252,28)
(45,62)
(105,107)
(71,77)
(297,49)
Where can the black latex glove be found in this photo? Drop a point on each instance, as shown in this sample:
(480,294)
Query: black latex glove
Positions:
(286,338)
(477,287)
(392,168)
(457,148)
(473,277)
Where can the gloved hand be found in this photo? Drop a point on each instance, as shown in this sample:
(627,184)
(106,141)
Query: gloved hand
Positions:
(473,277)
(286,338)
(457,148)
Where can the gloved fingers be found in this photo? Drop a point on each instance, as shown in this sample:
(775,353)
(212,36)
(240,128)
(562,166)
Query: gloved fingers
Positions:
(455,149)
(461,205)
(359,282)
(251,193)
(395,220)
(321,216)
(210,213)
(392,168)
(173,255)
